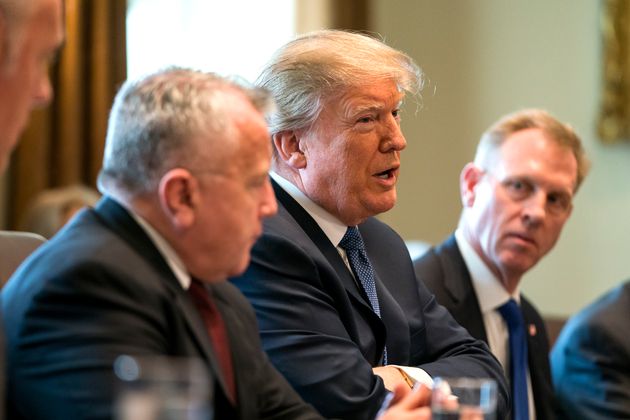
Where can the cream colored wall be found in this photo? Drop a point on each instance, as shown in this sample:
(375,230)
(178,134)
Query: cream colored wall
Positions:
(485,58)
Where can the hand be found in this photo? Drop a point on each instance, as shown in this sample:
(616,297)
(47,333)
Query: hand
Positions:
(409,404)
(391,376)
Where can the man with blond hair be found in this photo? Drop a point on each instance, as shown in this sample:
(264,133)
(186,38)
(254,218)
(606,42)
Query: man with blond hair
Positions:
(517,196)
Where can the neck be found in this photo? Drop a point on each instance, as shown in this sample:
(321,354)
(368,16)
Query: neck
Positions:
(509,283)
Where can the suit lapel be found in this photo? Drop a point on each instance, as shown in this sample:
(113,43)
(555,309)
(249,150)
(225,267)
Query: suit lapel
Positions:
(537,353)
(321,241)
(390,310)
(236,330)
(200,333)
(120,221)
(115,217)
(458,284)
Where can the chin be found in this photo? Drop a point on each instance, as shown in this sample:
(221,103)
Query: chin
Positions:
(383,206)
(239,268)
(521,265)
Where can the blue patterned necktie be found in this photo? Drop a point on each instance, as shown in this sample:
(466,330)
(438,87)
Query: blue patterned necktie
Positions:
(518,358)
(352,243)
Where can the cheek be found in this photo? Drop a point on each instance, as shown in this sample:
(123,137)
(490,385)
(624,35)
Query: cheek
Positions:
(552,235)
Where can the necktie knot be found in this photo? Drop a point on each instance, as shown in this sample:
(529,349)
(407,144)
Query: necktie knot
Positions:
(352,239)
(512,315)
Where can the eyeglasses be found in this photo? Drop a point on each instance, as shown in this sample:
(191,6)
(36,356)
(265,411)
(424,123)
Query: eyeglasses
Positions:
(558,203)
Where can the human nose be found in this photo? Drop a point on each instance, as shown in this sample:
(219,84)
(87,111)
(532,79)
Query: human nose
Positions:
(393,139)
(269,205)
(43,91)
(535,208)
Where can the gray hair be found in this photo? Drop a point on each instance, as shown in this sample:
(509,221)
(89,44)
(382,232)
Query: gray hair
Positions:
(154,123)
(561,133)
(306,72)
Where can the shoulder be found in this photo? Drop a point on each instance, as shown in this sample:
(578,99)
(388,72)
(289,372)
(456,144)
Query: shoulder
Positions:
(434,264)
(85,262)
(380,236)
(602,324)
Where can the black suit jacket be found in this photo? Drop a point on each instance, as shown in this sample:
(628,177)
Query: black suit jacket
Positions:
(99,289)
(445,273)
(591,360)
(319,330)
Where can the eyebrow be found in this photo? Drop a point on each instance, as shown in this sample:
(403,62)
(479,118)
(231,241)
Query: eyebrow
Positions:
(532,180)
(374,107)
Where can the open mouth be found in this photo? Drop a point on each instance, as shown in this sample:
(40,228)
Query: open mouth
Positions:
(387,174)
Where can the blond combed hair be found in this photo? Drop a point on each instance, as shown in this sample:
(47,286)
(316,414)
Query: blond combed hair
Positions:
(525,119)
(309,70)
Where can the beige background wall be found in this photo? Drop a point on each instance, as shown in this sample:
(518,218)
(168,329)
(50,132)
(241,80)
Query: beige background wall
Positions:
(485,58)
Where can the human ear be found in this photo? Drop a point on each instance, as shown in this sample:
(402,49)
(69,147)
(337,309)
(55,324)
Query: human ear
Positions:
(289,148)
(468,180)
(178,193)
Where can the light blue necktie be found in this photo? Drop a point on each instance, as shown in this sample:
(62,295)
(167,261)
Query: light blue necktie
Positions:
(513,316)
(352,243)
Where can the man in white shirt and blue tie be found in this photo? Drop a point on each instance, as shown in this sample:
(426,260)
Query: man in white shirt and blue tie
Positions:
(517,196)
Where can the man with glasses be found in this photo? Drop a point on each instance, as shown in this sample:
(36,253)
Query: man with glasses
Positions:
(517,196)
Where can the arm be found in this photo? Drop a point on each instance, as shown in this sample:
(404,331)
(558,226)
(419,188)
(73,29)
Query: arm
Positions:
(438,344)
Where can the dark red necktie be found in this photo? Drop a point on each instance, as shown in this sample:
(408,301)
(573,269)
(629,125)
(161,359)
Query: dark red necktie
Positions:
(216,329)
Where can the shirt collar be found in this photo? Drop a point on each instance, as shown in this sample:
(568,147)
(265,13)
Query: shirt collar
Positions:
(168,253)
(490,293)
(333,228)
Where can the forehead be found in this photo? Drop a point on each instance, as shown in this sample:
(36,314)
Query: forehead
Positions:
(532,152)
(375,95)
(47,19)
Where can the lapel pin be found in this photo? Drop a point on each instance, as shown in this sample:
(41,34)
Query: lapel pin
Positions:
(532,329)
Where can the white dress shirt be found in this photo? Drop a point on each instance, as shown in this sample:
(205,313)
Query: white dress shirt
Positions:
(491,295)
(168,253)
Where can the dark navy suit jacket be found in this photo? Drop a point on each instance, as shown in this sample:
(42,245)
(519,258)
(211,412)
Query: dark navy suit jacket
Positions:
(319,330)
(591,360)
(444,272)
(100,288)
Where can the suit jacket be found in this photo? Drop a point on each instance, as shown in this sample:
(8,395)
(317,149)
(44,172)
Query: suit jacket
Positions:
(100,288)
(318,327)
(590,361)
(445,273)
